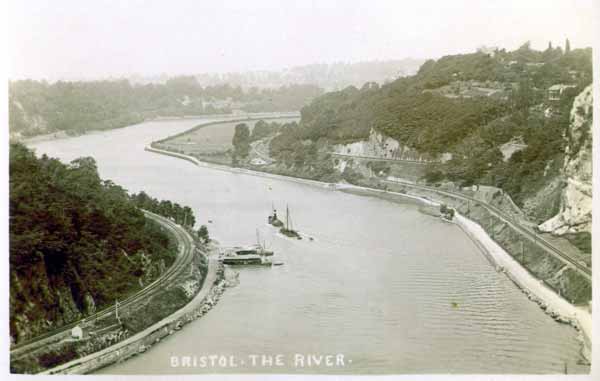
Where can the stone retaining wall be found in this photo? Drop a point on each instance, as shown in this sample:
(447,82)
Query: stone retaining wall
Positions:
(206,298)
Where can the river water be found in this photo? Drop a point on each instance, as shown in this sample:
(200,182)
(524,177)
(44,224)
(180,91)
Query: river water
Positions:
(389,288)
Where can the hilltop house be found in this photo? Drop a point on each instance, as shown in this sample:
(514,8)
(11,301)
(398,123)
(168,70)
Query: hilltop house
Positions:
(555,91)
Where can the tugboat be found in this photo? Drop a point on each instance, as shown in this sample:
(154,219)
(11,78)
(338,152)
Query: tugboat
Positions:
(288,230)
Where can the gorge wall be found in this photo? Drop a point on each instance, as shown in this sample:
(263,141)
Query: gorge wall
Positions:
(575,215)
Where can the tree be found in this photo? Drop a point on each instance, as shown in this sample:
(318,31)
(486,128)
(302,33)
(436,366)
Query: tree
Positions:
(525,47)
(567,46)
(263,129)
(203,234)
(522,99)
(76,236)
(188,216)
(241,140)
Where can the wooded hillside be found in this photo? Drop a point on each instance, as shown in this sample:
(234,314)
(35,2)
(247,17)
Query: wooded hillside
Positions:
(77,242)
(466,105)
(76,107)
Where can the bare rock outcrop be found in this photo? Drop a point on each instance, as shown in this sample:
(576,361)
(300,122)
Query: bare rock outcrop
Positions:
(575,213)
(382,146)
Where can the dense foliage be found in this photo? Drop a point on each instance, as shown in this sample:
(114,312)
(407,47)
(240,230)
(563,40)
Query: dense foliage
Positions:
(182,215)
(241,141)
(426,121)
(203,234)
(76,242)
(263,129)
(467,105)
(545,68)
(75,107)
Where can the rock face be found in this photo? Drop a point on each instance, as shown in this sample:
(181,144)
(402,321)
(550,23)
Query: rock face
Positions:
(381,146)
(88,304)
(575,214)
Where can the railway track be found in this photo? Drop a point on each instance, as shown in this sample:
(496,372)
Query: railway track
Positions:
(182,261)
(374,158)
(527,232)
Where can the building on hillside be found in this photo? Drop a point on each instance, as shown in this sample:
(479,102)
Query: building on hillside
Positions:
(77,333)
(555,91)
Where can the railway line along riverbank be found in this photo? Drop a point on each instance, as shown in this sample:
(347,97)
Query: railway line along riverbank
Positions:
(118,332)
(529,261)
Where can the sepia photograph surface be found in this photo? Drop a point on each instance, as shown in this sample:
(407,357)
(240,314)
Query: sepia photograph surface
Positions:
(343,188)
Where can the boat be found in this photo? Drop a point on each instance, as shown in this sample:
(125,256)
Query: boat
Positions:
(288,230)
(273,220)
(252,250)
(242,260)
(233,259)
(249,255)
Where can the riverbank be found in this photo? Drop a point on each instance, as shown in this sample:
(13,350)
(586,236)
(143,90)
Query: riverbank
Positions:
(147,301)
(552,303)
(189,288)
(219,118)
(212,288)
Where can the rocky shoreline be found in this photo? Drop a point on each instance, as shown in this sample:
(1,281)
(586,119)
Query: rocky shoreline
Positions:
(215,284)
(552,304)
(218,288)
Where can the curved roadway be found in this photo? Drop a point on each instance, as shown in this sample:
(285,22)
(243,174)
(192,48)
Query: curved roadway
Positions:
(182,261)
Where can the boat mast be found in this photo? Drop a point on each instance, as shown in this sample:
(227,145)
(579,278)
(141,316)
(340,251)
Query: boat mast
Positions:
(287,217)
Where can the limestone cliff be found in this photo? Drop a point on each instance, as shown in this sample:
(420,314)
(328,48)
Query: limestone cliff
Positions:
(382,146)
(575,213)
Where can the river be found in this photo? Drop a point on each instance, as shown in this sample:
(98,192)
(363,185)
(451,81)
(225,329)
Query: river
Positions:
(389,288)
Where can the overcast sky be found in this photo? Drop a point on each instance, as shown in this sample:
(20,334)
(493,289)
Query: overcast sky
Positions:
(91,39)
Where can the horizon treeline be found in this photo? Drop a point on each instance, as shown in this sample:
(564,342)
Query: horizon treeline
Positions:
(37,107)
